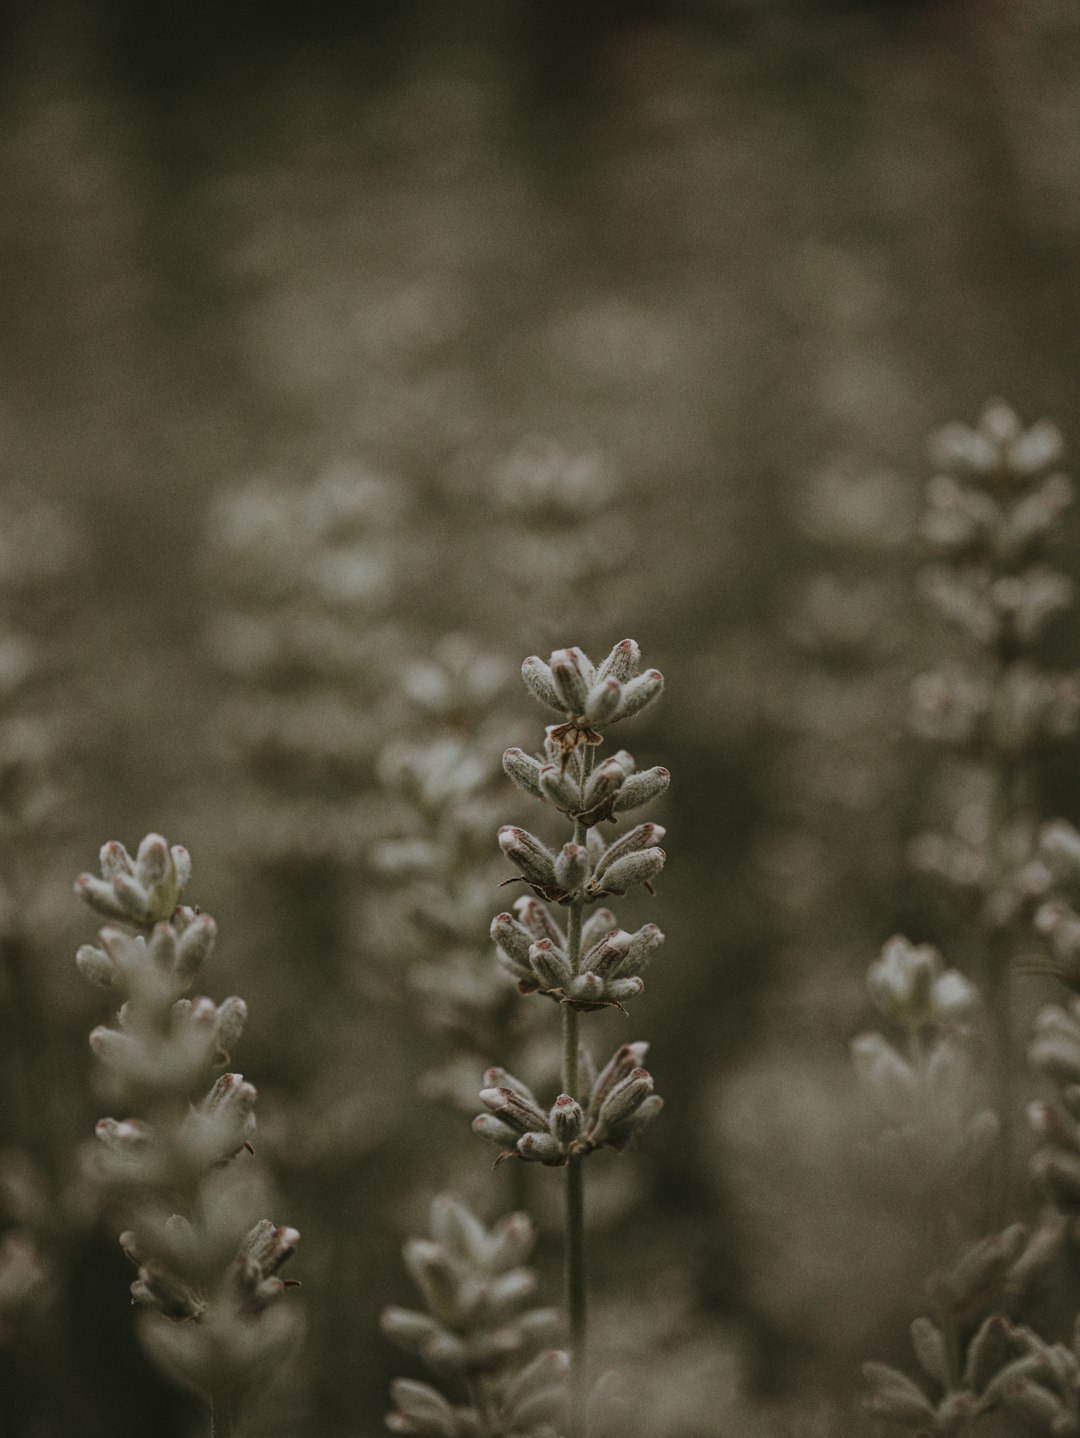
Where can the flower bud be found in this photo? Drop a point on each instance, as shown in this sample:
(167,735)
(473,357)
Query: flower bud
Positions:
(622,663)
(571,867)
(643,788)
(550,965)
(624,1099)
(513,938)
(603,702)
(573,677)
(96,966)
(642,836)
(408,1328)
(524,770)
(639,692)
(632,869)
(597,926)
(540,682)
(605,957)
(540,1148)
(514,1109)
(494,1130)
(566,1119)
(420,1411)
(557,786)
(587,989)
(534,859)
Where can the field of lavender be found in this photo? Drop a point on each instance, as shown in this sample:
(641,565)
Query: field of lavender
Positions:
(403,408)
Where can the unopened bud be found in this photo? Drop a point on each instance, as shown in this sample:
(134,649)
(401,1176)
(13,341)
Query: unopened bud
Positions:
(573,677)
(540,1148)
(524,770)
(640,691)
(557,786)
(534,859)
(566,1119)
(622,663)
(632,869)
(540,682)
(550,965)
(642,788)
(603,702)
(571,867)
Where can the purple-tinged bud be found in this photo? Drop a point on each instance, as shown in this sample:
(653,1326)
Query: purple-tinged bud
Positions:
(540,1148)
(566,1119)
(571,867)
(622,1063)
(534,859)
(602,702)
(550,965)
(100,896)
(196,945)
(96,966)
(513,938)
(536,917)
(514,1109)
(587,989)
(115,859)
(630,870)
(496,1077)
(124,1136)
(181,866)
(573,677)
(642,836)
(624,1099)
(152,863)
(643,944)
(229,1020)
(494,1130)
(134,900)
(559,787)
(621,989)
(641,789)
(604,781)
(524,770)
(640,691)
(605,957)
(540,682)
(597,926)
(622,663)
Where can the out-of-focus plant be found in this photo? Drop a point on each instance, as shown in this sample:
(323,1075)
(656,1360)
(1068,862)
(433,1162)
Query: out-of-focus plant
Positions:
(210,1275)
(991,518)
(994,706)
(478,1330)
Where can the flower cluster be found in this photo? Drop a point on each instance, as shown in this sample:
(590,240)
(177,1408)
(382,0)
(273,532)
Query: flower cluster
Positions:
(478,1326)
(927,1095)
(198,1257)
(621,1101)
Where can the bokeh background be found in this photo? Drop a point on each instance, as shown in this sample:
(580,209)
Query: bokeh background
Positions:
(334,330)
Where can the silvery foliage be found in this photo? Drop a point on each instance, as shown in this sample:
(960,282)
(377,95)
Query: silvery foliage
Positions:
(199,1261)
(991,515)
(478,1327)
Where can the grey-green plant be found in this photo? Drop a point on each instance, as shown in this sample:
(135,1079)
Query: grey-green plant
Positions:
(978,1349)
(208,1274)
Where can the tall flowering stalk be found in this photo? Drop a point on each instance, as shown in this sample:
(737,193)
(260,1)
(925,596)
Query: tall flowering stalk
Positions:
(591,963)
(990,519)
(201,1262)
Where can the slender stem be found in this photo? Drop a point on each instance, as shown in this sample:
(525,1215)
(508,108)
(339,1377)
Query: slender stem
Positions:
(224,1418)
(575,1177)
